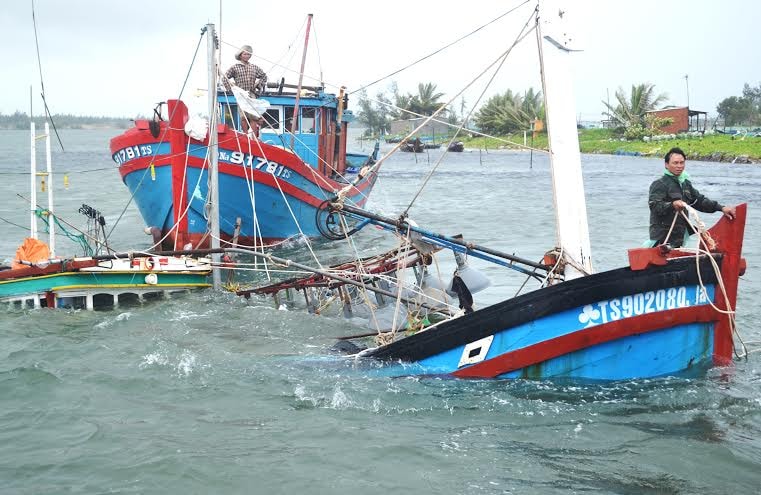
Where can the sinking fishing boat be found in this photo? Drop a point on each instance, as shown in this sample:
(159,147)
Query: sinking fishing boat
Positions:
(37,278)
(271,181)
(99,282)
(669,312)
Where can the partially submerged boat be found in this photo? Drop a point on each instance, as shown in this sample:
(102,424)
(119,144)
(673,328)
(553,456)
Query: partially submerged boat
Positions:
(102,282)
(271,182)
(37,278)
(669,312)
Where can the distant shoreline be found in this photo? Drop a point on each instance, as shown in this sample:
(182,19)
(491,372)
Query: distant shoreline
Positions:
(78,128)
(716,156)
(720,148)
(20,121)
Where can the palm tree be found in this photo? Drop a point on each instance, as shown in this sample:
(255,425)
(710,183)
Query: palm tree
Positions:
(510,112)
(403,105)
(426,102)
(631,109)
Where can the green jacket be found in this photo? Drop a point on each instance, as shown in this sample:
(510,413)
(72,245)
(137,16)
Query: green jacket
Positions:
(663,192)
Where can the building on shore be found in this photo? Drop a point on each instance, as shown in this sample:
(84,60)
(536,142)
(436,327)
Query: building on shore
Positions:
(684,119)
(432,129)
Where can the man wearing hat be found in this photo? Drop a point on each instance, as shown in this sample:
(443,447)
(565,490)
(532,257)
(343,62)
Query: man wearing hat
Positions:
(247,76)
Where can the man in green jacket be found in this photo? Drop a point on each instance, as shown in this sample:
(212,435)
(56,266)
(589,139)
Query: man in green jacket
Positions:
(669,195)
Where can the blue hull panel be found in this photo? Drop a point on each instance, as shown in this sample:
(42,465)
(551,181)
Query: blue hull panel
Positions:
(274,209)
(660,353)
(648,354)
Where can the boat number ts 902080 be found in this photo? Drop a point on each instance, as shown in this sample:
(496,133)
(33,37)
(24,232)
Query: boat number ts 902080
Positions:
(638,304)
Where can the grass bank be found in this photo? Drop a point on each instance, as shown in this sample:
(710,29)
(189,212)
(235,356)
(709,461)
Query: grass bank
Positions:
(715,147)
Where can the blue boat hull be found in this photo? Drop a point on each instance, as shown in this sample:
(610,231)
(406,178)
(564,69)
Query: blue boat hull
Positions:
(281,212)
(615,325)
(275,193)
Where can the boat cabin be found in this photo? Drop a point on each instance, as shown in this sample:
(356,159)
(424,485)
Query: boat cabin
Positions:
(317,138)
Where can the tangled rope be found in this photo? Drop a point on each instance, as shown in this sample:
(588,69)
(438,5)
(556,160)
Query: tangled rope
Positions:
(709,244)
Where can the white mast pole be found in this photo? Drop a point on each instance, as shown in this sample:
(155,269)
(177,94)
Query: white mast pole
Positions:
(213,156)
(51,214)
(556,44)
(33,180)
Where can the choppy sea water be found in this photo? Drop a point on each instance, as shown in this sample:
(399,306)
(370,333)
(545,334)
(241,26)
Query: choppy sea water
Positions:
(207,393)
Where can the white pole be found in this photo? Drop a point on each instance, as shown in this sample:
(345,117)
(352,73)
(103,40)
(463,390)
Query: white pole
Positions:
(557,43)
(51,215)
(216,277)
(33,180)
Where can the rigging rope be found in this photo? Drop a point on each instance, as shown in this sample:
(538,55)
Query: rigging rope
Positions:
(521,36)
(704,238)
(163,136)
(42,84)
(448,124)
(317,46)
(441,49)
(80,239)
(377,164)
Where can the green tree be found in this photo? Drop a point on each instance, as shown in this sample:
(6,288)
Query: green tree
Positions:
(631,109)
(745,109)
(735,110)
(403,106)
(426,102)
(452,117)
(754,97)
(510,112)
(373,116)
(408,106)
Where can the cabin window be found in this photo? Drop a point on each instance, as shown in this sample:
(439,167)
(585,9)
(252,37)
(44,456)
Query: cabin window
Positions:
(229,114)
(272,120)
(308,120)
(103,301)
(288,112)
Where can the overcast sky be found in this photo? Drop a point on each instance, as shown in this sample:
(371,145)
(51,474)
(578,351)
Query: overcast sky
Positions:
(119,58)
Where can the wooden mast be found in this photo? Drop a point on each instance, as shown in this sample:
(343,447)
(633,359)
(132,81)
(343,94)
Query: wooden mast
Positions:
(295,121)
(338,160)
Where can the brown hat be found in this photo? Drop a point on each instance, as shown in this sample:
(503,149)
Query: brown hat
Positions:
(244,49)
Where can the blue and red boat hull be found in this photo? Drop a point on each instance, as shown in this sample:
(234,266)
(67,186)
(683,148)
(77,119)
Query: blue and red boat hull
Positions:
(274,193)
(665,314)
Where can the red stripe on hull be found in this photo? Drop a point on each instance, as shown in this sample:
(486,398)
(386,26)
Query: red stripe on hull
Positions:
(585,338)
(236,141)
(259,177)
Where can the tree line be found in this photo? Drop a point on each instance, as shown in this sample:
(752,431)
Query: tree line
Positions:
(20,120)
(508,112)
(501,114)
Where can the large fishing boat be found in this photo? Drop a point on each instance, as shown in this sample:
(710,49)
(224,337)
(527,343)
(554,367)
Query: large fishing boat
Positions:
(271,181)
